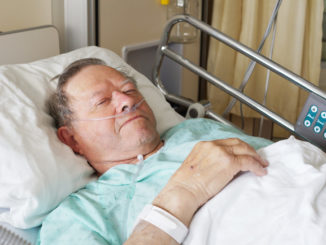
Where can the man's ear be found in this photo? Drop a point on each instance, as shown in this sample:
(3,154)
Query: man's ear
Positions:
(66,136)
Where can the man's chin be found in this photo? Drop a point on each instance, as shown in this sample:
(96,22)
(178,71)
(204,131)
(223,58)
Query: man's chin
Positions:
(141,136)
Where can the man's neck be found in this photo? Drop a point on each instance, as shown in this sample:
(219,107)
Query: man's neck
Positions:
(102,167)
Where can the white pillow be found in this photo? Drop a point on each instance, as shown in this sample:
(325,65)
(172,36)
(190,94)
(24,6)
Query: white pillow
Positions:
(37,171)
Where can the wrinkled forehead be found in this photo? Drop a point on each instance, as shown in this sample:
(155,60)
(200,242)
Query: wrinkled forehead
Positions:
(95,77)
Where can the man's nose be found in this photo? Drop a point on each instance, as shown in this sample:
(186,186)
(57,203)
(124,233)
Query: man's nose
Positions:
(122,101)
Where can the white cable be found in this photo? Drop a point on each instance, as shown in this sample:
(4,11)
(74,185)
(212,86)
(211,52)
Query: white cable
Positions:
(253,63)
(164,221)
(267,77)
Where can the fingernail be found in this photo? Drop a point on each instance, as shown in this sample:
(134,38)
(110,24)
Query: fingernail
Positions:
(263,171)
(266,162)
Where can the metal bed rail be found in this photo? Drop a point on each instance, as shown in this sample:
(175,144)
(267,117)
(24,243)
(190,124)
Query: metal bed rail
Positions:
(163,51)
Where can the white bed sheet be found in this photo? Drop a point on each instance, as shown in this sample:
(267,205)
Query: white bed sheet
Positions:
(288,206)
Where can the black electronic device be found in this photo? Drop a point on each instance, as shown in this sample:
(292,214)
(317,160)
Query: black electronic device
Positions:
(312,121)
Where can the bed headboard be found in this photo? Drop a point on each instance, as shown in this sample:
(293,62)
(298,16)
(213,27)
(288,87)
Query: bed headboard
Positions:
(28,44)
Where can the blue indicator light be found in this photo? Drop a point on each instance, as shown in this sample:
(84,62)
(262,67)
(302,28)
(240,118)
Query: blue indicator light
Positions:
(314,109)
(307,123)
(317,129)
(323,115)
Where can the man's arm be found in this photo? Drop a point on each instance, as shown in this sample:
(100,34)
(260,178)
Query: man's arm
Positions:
(206,171)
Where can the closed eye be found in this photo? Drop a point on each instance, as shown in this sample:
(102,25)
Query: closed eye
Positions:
(102,101)
(130,91)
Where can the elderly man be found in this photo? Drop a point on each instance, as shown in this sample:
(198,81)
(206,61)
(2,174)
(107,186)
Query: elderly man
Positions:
(100,114)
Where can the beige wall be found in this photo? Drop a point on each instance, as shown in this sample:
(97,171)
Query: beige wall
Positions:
(122,22)
(126,22)
(58,20)
(19,14)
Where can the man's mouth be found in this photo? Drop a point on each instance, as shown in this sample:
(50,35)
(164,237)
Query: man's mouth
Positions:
(131,120)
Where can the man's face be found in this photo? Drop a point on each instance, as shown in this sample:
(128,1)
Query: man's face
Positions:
(99,91)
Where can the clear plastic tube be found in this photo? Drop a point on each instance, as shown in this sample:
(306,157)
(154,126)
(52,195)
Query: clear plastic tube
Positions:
(183,32)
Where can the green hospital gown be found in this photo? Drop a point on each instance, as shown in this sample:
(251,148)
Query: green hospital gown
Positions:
(104,212)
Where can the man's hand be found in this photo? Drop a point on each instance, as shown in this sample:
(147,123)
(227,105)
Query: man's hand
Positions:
(210,166)
(206,171)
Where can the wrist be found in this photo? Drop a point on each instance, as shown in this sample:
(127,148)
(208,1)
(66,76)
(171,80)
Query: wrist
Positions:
(179,202)
(166,222)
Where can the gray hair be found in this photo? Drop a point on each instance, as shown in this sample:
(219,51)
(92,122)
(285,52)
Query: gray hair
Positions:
(58,103)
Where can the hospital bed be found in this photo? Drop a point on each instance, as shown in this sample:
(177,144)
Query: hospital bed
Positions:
(39,172)
(164,51)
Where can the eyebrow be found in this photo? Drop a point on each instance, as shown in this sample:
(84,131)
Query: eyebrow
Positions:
(128,80)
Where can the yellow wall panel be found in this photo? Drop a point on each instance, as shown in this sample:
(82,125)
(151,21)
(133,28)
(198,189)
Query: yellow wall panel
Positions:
(125,22)
(18,14)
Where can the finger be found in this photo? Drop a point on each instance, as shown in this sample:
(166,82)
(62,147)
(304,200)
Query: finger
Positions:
(266,163)
(261,160)
(229,141)
(241,149)
(249,163)
(245,149)
(241,146)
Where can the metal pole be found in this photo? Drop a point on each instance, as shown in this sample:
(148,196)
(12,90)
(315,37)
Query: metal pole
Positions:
(268,63)
(230,90)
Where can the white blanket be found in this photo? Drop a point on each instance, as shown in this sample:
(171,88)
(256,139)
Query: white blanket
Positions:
(287,206)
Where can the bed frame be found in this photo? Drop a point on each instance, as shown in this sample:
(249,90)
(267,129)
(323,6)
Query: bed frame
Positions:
(164,50)
(29,44)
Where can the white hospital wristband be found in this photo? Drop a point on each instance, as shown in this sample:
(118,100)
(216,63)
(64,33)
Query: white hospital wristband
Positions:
(165,222)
